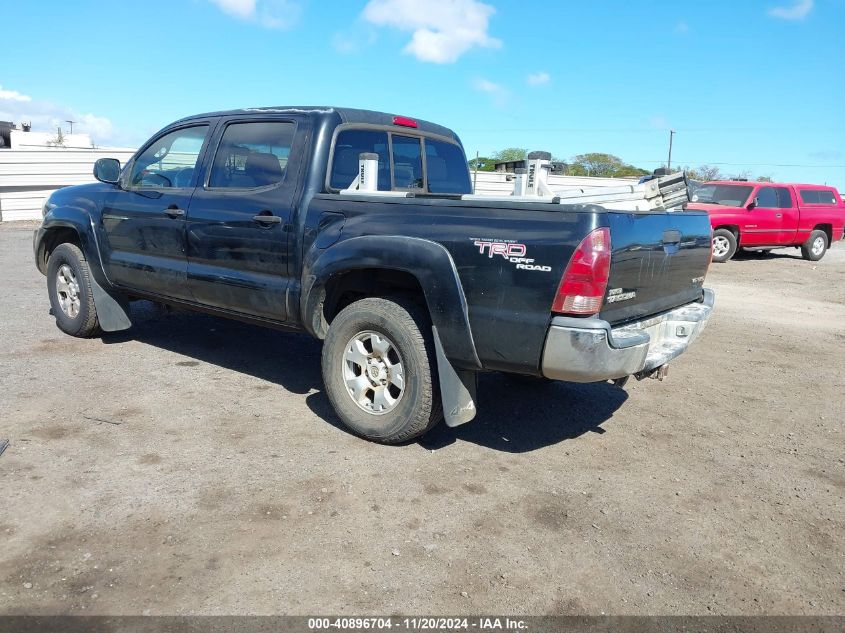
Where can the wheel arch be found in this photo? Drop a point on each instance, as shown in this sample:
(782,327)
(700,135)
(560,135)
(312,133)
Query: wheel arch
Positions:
(827,229)
(733,228)
(374,265)
(68,224)
(63,225)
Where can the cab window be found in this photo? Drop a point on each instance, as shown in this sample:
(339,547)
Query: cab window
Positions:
(809,196)
(784,198)
(445,168)
(252,154)
(350,144)
(767,198)
(417,163)
(826,196)
(407,162)
(170,161)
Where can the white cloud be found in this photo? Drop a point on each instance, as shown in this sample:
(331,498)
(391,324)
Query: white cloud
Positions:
(46,117)
(442,30)
(243,9)
(13,95)
(538,79)
(798,10)
(273,14)
(498,93)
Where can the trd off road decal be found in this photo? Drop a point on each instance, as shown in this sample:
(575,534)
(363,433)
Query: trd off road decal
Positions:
(511,250)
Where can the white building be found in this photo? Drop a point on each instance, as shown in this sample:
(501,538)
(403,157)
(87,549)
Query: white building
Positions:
(34,164)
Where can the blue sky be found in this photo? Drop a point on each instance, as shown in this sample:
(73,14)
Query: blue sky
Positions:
(749,85)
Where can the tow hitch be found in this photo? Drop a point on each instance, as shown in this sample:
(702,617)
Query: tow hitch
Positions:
(658,373)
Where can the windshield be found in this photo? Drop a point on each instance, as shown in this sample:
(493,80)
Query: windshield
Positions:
(727,195)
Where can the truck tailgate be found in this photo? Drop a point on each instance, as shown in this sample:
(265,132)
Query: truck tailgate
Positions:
(658,262)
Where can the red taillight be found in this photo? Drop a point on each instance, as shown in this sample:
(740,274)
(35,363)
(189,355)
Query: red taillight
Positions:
(584,281)
(404,121)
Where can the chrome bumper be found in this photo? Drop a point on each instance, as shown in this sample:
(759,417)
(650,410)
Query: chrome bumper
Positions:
(589,350)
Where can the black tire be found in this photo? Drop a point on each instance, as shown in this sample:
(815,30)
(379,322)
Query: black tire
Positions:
(407,329)
(724,236)
(815,247)
(79,320)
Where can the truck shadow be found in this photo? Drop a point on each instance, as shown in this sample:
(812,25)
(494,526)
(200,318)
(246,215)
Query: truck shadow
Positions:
(513,416)
(750,256)
(517,417)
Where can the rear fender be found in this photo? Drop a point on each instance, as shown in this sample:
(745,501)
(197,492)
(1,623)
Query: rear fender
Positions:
(430,263)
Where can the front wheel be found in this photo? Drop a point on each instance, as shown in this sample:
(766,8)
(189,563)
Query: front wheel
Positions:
(724,245)
(69,285)
(380,370)
(815,247)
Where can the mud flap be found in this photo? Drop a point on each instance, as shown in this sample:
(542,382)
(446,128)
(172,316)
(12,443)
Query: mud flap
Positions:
(112,312)
(457,388)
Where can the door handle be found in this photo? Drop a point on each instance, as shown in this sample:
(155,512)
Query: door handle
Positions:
(267,219)
(778,215)
(174,212)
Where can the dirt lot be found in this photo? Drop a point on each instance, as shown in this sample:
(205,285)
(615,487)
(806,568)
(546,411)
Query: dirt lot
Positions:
(193,465)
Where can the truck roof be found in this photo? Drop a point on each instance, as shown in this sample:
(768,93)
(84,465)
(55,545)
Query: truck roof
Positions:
(767,184)
(347,115)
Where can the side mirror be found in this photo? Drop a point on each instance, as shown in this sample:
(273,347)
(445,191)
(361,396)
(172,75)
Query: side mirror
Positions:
(751,204)
(107,170)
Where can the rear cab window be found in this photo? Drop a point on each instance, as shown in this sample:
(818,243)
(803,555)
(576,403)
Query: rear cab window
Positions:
(817,196)
(406,162)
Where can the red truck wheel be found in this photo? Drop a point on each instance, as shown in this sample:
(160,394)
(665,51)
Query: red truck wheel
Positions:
(815,247)
(724,245)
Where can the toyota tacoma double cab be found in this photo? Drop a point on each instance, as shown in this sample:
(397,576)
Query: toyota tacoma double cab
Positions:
(357,227)
(763,216)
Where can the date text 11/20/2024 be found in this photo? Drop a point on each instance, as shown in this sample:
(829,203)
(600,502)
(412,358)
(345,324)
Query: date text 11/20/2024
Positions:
(418,624)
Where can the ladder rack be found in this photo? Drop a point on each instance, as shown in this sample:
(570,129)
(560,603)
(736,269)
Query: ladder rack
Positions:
(531,185)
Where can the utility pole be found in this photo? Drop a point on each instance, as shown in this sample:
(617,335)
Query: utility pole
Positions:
(669,162)
(475,175)
(71,125)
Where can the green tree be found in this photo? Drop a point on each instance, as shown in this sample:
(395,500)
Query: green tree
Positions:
(704,173)
(484,164)
(510,154)
(764,179)
(603,165)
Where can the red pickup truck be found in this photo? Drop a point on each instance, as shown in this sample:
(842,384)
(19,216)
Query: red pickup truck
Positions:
(766,215)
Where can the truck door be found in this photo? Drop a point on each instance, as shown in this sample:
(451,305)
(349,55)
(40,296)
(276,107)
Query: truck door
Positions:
(142,234)
(239,219)
(788,209)
(763,222)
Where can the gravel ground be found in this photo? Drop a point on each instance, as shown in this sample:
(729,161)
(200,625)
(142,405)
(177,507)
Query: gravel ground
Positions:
(194,465)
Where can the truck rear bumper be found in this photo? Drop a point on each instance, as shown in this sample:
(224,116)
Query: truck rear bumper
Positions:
(590,350)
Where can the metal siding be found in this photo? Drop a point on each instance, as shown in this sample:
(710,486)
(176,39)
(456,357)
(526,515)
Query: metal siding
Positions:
(29,176)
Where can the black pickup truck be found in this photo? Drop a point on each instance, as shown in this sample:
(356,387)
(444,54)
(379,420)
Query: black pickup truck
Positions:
(263,215)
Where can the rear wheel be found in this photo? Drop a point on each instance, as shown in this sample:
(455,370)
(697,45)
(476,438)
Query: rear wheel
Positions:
(380,370)
(69,285)
(815,247)
(724,245)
